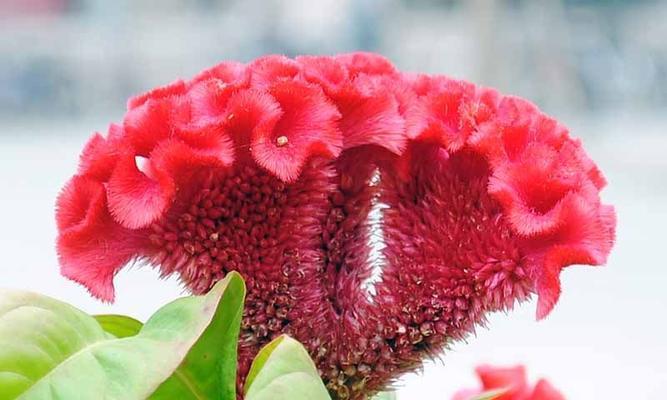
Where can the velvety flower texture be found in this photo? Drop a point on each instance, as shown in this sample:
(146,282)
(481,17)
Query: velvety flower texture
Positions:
(376,215)
(514,383)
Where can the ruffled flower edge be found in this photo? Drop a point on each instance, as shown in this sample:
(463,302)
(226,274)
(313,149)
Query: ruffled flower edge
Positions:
(281,112)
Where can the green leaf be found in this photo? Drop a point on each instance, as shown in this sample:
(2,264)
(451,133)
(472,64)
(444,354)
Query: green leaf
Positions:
(209,369)
(283,370)
(119,326)
(490,394)
(385,396)
(37,334)
(52,351)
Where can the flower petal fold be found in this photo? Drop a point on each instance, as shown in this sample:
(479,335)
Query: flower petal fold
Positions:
(92,247)
(99,156)
(324,71)
(138,197)
(250,113)
(366,63)
(175,88)
(153,121)
(584,235)
(371,114)
(307,127)
(269,69)
(228,72)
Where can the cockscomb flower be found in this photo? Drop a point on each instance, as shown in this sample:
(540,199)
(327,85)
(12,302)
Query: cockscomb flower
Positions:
(375,215)
(511,384)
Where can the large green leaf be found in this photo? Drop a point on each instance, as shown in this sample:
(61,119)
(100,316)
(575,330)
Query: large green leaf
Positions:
(120,326)
(52,351)
(283,370)
(37,334)
(209,370)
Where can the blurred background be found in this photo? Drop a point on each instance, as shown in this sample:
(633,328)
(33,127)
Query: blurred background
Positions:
(67,67)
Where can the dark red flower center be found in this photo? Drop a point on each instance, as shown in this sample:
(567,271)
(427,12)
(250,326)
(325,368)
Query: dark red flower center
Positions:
(232,222)
(305,250)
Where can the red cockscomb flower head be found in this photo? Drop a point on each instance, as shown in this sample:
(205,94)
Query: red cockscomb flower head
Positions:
(376,216)
(512,384)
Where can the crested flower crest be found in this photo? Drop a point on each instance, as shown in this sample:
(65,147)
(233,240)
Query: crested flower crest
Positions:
(375,215)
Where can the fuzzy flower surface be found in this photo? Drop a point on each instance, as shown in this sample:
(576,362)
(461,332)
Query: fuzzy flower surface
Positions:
(512,383)
(376,215)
